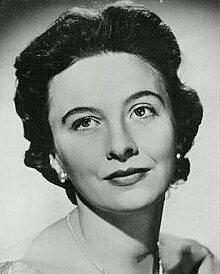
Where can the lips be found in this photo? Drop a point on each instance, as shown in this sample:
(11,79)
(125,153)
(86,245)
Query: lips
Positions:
(127,177)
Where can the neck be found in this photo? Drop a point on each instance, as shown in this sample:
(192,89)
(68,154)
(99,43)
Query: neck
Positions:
(127,239)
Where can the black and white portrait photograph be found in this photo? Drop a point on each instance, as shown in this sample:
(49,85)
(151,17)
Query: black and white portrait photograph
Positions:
(110,129)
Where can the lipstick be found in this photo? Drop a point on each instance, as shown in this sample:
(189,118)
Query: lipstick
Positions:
(128,177)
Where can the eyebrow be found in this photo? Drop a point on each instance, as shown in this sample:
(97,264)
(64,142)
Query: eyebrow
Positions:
(142,94)
(80,110)
(98,111)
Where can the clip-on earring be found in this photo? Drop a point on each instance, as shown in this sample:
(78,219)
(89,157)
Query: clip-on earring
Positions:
(178,165)
(182,167)
(62,176)
(177,176)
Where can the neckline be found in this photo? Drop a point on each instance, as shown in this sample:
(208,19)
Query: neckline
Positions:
(97,266)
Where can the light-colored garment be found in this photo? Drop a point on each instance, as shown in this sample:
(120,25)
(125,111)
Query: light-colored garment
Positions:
(17,267)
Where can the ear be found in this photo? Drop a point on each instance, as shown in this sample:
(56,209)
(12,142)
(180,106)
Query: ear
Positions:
(56,163)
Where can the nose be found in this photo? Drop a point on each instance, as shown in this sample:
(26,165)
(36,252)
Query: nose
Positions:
(121,145)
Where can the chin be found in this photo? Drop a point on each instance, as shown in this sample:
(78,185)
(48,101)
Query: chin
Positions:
(126,199)
(135,201)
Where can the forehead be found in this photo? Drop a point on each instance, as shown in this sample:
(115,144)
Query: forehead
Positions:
(108,76)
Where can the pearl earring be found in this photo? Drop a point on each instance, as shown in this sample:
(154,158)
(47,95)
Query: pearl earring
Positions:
(182,167)
(62,177)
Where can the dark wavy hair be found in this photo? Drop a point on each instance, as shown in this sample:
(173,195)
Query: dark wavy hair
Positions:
(80,33)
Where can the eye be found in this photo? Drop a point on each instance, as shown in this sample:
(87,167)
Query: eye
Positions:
(145,111)
(85,123)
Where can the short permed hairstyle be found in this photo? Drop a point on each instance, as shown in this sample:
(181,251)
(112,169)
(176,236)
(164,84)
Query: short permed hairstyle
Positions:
(81,33)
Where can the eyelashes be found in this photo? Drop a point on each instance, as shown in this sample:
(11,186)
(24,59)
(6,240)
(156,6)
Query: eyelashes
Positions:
(143,111)
(85,123)
(139,113)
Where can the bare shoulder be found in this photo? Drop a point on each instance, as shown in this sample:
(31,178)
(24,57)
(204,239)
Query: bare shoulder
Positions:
(183,253)
(173,240)
(179,244)
(23,247)
(49,243)
(55,251)
(51,251)
(40,251)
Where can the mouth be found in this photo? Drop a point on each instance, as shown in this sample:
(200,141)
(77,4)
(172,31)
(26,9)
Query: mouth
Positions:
(128,177)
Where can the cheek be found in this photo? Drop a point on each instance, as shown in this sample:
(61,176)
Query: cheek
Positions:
(79,156)
(159,140)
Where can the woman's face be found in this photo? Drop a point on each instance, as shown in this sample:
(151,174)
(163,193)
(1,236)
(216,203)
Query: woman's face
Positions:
(112,124)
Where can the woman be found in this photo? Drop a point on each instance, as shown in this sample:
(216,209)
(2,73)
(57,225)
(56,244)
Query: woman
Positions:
(108,120)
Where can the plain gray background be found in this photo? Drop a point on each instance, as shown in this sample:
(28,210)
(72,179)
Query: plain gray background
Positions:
(28,203)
